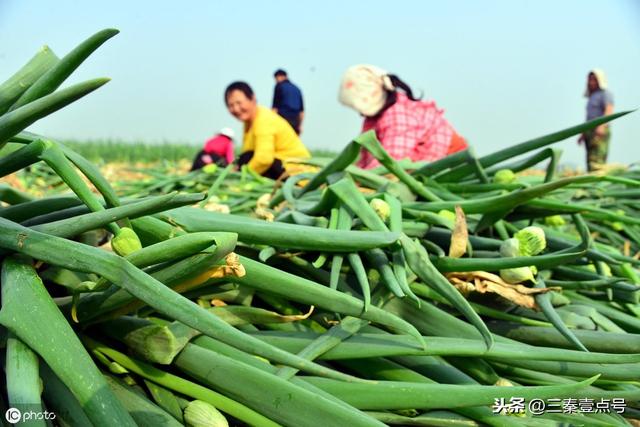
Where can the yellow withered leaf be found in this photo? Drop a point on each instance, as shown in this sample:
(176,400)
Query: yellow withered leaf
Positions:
(484,282)
(460,235)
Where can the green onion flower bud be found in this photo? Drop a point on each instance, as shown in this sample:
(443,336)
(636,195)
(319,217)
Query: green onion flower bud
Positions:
(510,248)
(447,215)
(532,240)
(604,270)
(126,241)
(517,275)
(210,169)
(554,221)
(203,414)
(382,208)
(373,276)
(504,176)
(557,299)
(617,226)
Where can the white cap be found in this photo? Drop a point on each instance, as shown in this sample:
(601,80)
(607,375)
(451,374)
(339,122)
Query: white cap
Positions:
(228,132)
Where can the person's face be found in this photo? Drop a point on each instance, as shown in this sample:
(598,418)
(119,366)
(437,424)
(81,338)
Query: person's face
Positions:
(241,107)
(592,83)
(280,79)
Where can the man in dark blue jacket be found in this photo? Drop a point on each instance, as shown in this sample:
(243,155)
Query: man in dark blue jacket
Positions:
(287,101)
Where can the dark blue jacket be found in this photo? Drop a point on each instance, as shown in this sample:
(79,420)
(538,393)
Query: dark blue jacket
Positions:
(287,98)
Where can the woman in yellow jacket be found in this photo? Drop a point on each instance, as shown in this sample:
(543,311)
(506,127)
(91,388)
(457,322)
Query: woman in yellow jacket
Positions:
(269,140)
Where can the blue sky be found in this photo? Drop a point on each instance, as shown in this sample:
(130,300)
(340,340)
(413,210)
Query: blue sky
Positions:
(504,71)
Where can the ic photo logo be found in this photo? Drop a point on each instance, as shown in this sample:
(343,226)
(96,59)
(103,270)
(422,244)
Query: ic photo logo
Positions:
(15,415)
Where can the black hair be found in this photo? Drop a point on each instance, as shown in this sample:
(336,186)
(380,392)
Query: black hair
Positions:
(395,80)
(280,72)
(392,94)
(241,86)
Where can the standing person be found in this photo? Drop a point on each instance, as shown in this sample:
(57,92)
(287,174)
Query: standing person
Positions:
(287,100)
(268,141)
(406,126)
(600,104)
(218,150)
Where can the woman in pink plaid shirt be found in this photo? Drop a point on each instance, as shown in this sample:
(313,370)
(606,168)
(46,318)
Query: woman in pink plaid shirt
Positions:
(407,127)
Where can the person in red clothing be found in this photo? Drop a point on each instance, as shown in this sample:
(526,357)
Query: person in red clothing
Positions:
(218,150)
(406,126)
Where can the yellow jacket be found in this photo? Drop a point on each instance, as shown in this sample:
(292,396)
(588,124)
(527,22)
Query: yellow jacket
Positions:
(271,137)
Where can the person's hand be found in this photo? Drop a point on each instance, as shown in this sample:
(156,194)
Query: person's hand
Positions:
(600,131)
(581,139)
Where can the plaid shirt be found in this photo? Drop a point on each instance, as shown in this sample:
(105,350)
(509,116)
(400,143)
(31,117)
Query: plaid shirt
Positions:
(409,129)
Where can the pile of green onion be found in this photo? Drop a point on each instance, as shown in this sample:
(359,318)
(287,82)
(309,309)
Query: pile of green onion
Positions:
(413,294)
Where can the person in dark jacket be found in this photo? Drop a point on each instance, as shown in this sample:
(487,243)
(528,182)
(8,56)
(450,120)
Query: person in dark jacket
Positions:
(287,101)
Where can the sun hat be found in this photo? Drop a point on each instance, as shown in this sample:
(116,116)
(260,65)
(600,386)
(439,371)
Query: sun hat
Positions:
(364,88)
(227,132)
(601,78)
